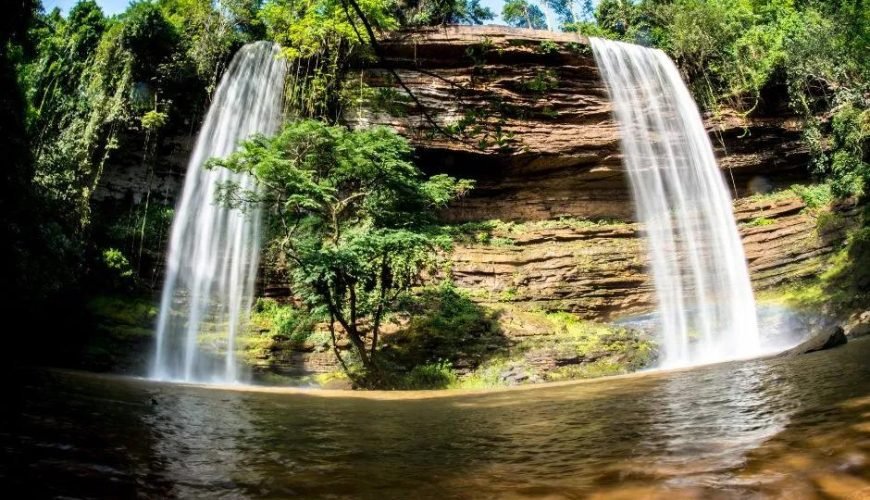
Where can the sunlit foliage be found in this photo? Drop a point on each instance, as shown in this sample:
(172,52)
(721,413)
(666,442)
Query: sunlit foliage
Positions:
(351,216)
(523,14)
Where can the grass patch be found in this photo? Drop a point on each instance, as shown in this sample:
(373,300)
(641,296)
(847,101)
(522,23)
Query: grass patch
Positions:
(759,222)
(594,341)
(814,196)
(501,233)
(451,342)
(123,315)
(487,375)
(600,368)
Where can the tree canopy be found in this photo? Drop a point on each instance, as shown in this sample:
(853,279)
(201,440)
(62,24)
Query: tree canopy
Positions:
(523,14)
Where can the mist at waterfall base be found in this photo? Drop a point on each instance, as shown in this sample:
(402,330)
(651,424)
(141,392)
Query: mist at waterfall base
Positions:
(705,305)
(214,250)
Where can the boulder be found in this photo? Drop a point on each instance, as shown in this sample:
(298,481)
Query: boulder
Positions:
(516,375)
(826,338)
(859,325)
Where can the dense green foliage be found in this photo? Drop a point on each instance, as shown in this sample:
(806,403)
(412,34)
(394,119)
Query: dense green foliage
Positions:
(96,86)
(433,12)
(351,216)
(572,11)
(18,235)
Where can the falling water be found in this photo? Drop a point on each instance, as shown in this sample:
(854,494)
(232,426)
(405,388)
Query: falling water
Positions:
(706,308)
(213,250)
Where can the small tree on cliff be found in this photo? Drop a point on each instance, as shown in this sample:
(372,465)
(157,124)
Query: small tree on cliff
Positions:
(352,217)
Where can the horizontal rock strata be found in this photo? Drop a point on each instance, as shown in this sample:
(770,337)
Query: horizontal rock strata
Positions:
(599,272)
(526,115)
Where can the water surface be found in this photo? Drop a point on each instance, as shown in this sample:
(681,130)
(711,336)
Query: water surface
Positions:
(796,428)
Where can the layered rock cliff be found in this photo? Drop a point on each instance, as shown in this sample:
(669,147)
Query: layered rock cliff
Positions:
(599,270)
(526,115)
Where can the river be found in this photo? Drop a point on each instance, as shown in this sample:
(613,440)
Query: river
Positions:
(780,428)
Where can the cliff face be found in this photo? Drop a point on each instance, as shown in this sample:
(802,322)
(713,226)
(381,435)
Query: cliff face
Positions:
(525,114)
(599,271)
(131,173)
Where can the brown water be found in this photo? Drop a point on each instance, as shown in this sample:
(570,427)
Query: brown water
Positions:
(796,428)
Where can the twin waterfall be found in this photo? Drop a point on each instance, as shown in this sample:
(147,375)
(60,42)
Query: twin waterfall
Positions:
(214,250)
(706,308)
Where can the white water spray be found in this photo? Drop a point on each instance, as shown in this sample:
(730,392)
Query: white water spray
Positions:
(214,250)
(706,307)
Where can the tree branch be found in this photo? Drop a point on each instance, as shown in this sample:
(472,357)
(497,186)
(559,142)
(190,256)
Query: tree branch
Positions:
(379,54)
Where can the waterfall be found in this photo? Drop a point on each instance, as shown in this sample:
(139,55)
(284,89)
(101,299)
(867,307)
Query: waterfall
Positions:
(213,250)
(706,309)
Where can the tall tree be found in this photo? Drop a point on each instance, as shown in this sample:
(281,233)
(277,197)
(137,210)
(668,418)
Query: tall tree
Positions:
(617,16)
(565,10)
(587,12)
(521,13)
(19,225)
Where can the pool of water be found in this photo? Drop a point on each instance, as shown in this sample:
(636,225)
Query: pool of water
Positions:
(782,428)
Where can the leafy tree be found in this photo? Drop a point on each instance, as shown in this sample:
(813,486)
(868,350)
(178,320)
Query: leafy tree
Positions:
(587,12)
(210,35)
(352,217)
(565,10)
(571,12)
(521,13)
(18,226)
(434,12)
(66,48)
(617,16)
(149,37)
(810,54)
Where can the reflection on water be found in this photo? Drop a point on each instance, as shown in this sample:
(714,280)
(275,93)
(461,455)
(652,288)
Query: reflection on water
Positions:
(796,428)
(712,416)
(198,447)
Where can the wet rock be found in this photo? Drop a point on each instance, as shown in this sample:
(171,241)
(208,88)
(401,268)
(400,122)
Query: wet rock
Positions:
(852,463)
(599,271)
(859,325)
(826,338)
(517,374)
(559,157)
